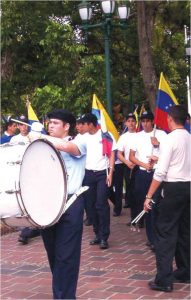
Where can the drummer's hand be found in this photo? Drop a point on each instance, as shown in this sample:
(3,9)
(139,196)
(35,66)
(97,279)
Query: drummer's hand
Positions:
(147,205)
(33,136)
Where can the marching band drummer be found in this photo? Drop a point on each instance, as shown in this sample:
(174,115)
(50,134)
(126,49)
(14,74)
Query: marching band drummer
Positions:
(22,137)
(62,241)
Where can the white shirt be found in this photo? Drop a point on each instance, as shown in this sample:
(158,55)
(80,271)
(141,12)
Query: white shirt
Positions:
(19,138)
(124,143)
(93,149)
(143,147)
(174,162)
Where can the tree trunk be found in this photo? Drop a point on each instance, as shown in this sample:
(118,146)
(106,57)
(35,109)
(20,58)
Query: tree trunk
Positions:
(6,66)
(146,11)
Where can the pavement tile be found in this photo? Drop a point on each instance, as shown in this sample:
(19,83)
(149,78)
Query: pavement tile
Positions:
(120,272)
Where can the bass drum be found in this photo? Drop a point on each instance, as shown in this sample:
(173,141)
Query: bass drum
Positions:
(40,189)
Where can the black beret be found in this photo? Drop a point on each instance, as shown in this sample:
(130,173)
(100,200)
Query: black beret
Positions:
(23,118)
(130,115)
(147,115)
(63,115)
(89,118)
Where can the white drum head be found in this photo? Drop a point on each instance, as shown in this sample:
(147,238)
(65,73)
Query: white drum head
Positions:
(43,183)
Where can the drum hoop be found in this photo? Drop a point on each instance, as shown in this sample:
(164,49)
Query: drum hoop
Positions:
(64,171)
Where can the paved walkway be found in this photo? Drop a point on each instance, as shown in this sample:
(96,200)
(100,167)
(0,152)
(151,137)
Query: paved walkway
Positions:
(120,272)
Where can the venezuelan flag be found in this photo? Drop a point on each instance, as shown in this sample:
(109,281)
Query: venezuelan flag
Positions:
(165,99)
(97,108)
(107,140)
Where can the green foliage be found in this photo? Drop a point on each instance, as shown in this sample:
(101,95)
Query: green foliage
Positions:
(46,56)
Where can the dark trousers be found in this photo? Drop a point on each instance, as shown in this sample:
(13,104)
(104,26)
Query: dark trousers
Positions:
(29,232)
(117,195)
(143,180)
(97,195)
(129,175)
(173,232)
(62,242)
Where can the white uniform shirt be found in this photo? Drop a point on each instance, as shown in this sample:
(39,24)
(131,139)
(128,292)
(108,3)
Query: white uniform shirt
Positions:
(174,162)
(93,149)
(124,143)
(143,147)
(19,138)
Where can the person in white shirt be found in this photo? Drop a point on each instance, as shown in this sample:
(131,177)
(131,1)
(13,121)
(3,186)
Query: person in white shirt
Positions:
(81,128)
(98,176)
(124,146)
(147,143)
(22,137)
(26,233)
(173,221)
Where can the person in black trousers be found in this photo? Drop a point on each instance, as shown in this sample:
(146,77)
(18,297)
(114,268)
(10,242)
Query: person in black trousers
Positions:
(172,226)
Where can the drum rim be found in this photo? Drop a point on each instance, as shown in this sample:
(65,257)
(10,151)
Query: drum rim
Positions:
(64,172)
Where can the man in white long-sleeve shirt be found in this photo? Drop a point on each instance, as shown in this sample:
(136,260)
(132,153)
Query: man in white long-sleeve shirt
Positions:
(173,221)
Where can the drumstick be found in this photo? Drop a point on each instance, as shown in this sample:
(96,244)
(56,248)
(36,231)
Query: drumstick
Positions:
(138,217)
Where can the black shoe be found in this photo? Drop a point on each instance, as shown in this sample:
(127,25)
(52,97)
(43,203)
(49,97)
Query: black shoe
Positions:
(23,240)
(157,287)
(116,214)
(95,241)
(177,280)
(87,223)
(104,244)
(180,278)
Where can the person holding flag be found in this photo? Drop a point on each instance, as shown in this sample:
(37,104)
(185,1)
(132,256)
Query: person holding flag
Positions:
(98,176)
(172,226)
(147,144)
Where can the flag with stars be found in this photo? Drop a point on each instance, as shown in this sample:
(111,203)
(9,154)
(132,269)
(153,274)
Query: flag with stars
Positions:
(97,108)
(165,99)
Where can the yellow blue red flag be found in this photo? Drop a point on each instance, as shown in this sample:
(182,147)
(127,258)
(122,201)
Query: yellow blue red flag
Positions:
(165,99)
(97,108)
(32,117)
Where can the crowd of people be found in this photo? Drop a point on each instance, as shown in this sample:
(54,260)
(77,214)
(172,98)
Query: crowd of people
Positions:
(143,167)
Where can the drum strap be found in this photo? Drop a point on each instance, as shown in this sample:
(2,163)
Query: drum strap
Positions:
(81,190)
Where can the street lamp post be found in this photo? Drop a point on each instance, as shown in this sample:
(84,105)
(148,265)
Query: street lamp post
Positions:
(108,7)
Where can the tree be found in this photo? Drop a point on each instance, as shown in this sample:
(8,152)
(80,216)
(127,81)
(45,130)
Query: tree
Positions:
(45,55)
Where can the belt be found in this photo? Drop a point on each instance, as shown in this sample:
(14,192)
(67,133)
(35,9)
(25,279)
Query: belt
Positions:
(74,196)
(96,171)
(151,171)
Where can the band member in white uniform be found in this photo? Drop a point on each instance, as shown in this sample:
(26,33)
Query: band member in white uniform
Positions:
(173,220)
(147,143)
(124,146)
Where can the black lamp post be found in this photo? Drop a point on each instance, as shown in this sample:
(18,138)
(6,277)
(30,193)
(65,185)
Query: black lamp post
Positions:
(108,7)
